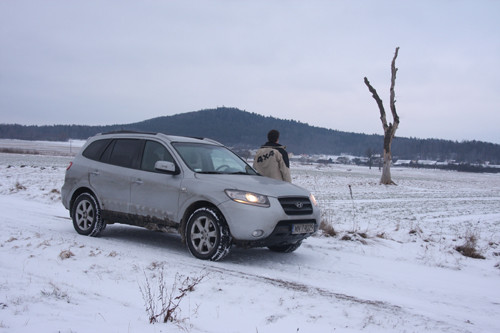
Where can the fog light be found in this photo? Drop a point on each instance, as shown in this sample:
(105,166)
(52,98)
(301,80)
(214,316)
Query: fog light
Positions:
(257,233)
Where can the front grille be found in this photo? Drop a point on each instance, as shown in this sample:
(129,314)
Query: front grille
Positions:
(296,205)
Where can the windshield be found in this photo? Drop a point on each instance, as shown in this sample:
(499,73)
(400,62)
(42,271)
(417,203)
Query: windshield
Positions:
(203,158)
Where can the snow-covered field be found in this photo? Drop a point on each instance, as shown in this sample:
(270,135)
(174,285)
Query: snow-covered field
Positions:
(392,267)
(68,148)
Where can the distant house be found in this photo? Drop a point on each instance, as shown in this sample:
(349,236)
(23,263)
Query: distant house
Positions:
(426,162)
(402,162)
(344,160)
(324,161)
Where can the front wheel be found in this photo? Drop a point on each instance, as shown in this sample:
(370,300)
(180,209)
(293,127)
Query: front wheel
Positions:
(86,215)
(287,248)
(207,235)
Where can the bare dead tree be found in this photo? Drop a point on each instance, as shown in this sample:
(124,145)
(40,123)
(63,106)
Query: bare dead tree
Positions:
(389,130)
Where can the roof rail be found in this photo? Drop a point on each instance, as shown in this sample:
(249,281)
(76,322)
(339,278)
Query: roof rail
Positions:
(128,132)
(212,141)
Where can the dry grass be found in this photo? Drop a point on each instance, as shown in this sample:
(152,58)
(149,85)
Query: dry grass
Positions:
(164,305)
(18,187)
(66,254)
(19,151)
(56,293)
(327,229)
(356,237)
(468,249)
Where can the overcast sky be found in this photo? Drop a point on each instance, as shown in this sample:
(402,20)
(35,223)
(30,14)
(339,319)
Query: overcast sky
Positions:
(117,62)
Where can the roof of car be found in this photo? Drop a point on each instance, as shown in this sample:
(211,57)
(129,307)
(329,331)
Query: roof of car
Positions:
(169,138)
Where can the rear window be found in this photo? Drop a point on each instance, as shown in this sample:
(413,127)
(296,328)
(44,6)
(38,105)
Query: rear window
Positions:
(95,149)
(123,152)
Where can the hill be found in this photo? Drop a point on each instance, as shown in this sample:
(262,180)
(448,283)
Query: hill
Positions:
(246,130)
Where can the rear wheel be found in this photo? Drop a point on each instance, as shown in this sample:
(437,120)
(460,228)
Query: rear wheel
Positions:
(287,248)
(207,235)
(86,215)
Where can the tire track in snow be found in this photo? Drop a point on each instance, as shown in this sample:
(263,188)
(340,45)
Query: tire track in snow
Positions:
(304,288)
(391,309)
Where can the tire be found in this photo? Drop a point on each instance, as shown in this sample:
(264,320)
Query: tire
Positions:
(207,235)
(287,248)
(86,215)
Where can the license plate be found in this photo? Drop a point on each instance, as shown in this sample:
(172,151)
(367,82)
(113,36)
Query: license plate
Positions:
(302,228)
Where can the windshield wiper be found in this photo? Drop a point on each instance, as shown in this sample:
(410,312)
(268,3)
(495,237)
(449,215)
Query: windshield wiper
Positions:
(223,173)
(210,172)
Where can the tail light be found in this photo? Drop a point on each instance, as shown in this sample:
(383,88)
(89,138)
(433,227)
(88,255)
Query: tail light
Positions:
(69,166)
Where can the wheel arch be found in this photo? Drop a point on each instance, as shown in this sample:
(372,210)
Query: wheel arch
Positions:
(190,210)
(80,191)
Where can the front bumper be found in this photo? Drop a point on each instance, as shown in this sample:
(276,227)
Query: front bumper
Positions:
(281,235)
(274,223)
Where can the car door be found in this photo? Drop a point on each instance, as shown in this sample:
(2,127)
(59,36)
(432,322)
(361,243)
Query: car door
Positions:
(155,194)
(112,178)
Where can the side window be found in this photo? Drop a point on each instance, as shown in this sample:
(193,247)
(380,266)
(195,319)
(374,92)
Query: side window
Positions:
(95,149)
(123,152)
(153,152)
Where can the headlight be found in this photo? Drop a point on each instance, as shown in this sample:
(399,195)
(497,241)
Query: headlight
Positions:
(248,198)
(313,199)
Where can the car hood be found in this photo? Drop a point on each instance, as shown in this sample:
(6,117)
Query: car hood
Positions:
(258,184)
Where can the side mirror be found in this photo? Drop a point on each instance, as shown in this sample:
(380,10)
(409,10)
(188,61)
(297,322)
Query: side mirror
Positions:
(167,167)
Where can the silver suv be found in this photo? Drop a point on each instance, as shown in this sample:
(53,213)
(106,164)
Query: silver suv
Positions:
(196,187)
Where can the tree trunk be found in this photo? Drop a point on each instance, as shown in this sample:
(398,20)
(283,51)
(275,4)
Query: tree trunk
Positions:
(386,168)
(389,129)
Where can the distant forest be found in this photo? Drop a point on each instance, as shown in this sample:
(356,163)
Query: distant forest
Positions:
(245,130)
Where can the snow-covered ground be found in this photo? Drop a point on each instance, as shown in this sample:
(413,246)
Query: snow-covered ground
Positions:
(63,148)
(399,272)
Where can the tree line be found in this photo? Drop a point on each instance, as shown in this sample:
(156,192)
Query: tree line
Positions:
(245,130)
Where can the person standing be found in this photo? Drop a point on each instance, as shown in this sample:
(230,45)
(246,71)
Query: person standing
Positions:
(271,160)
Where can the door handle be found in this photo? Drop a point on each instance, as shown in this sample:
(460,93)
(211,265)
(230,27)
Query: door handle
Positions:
(138,181)
(95,173)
